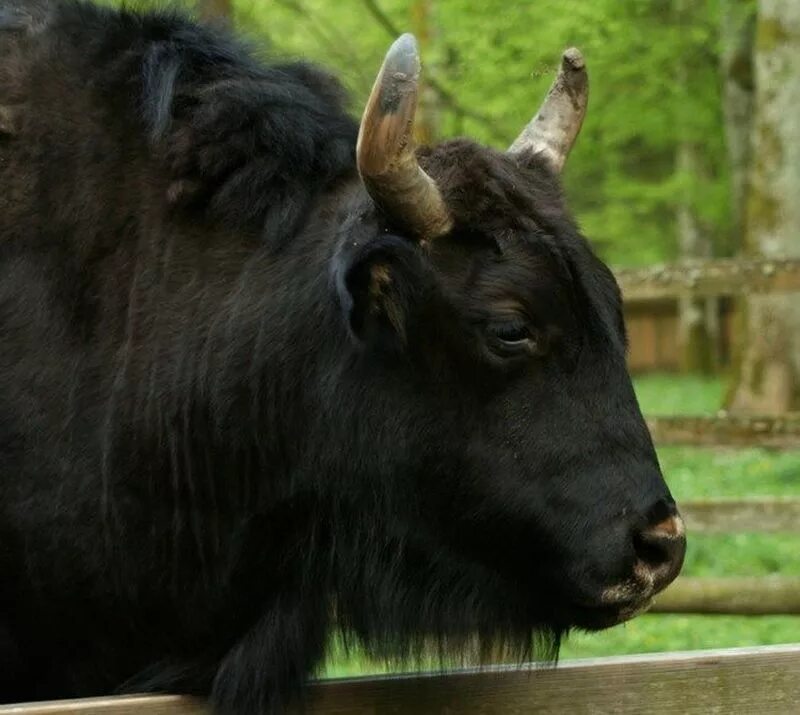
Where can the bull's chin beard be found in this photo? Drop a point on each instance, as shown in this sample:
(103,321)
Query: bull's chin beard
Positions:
(446,643)
(436,610)
(604,615)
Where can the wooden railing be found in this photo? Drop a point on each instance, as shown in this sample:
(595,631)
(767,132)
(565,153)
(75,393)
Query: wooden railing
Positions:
(733,681)
(717,277)
(652,296)
(733,595)
(725,430)
(714,277)
(755,515)
(736,595)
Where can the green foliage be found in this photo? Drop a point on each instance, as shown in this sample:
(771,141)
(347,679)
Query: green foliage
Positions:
(699,473)
(654,83)
(497,59)
(670,394)
(660,633)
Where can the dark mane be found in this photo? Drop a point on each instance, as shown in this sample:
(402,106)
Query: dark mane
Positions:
(245,144)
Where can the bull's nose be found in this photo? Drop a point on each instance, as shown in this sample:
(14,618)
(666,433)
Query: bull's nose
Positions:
(660,549)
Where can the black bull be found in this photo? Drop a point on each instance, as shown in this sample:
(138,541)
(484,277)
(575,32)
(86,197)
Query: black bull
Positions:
(255,385)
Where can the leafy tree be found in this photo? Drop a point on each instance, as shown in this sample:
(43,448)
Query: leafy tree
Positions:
(487,66)
(490,64)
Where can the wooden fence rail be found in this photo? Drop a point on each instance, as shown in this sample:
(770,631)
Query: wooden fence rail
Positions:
(721,516)
(732,681)
(726,430)
(731,595)
(713,277)
(748,596)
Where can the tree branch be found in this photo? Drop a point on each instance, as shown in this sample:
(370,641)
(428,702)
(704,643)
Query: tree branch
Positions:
(216,11)
(336,46)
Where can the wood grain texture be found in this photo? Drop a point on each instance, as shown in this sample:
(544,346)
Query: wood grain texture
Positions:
(709,277)
(734,681)
(731,595)
(126,705)
(726,430)
(724,516)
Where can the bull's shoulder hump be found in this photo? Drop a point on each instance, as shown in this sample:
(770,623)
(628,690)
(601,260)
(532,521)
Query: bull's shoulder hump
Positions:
(25,16)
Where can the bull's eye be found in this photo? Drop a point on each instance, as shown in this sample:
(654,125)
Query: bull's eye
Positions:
(511,332)
(514,337)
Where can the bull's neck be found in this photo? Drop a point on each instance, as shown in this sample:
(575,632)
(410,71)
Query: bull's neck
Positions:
(234,339)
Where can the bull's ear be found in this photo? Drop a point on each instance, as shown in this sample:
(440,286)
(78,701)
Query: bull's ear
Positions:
(379,285)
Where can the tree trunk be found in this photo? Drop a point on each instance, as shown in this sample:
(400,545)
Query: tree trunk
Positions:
(219,11)
(737,25)
(698,324)
(426,121)
(768,377)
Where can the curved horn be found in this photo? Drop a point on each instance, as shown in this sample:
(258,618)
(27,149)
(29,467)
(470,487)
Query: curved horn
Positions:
(553,130)
(386,158)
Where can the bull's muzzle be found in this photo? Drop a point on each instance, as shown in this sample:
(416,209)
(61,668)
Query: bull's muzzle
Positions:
(660,550)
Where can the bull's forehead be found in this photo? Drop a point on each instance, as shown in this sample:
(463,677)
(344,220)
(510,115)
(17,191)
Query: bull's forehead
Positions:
(518,202)
(490,191)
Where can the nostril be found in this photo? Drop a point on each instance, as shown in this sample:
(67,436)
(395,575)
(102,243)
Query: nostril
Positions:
(663,543)
(671,527)
(653,548)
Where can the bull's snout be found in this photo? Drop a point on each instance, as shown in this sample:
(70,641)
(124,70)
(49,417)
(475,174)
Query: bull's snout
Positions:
(660,549)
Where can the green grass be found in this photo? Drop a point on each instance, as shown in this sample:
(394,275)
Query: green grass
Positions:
(679,394)
(692,474)
(659,633)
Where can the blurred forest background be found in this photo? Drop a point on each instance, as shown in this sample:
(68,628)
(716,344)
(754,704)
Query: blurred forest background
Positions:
(670,80)
(690,149)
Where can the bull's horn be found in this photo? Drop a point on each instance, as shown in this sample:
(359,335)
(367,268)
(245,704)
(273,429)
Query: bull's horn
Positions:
(552,132)
(386,158)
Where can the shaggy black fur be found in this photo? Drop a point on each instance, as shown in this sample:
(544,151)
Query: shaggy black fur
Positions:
(238,409)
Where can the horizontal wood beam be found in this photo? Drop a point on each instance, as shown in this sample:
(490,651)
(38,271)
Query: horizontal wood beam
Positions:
(735,680)
(727,430)
(721,516)
(745,596)
(714,277)
(120,705)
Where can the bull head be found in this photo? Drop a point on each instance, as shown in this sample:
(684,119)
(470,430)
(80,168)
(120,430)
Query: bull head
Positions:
(386,153)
